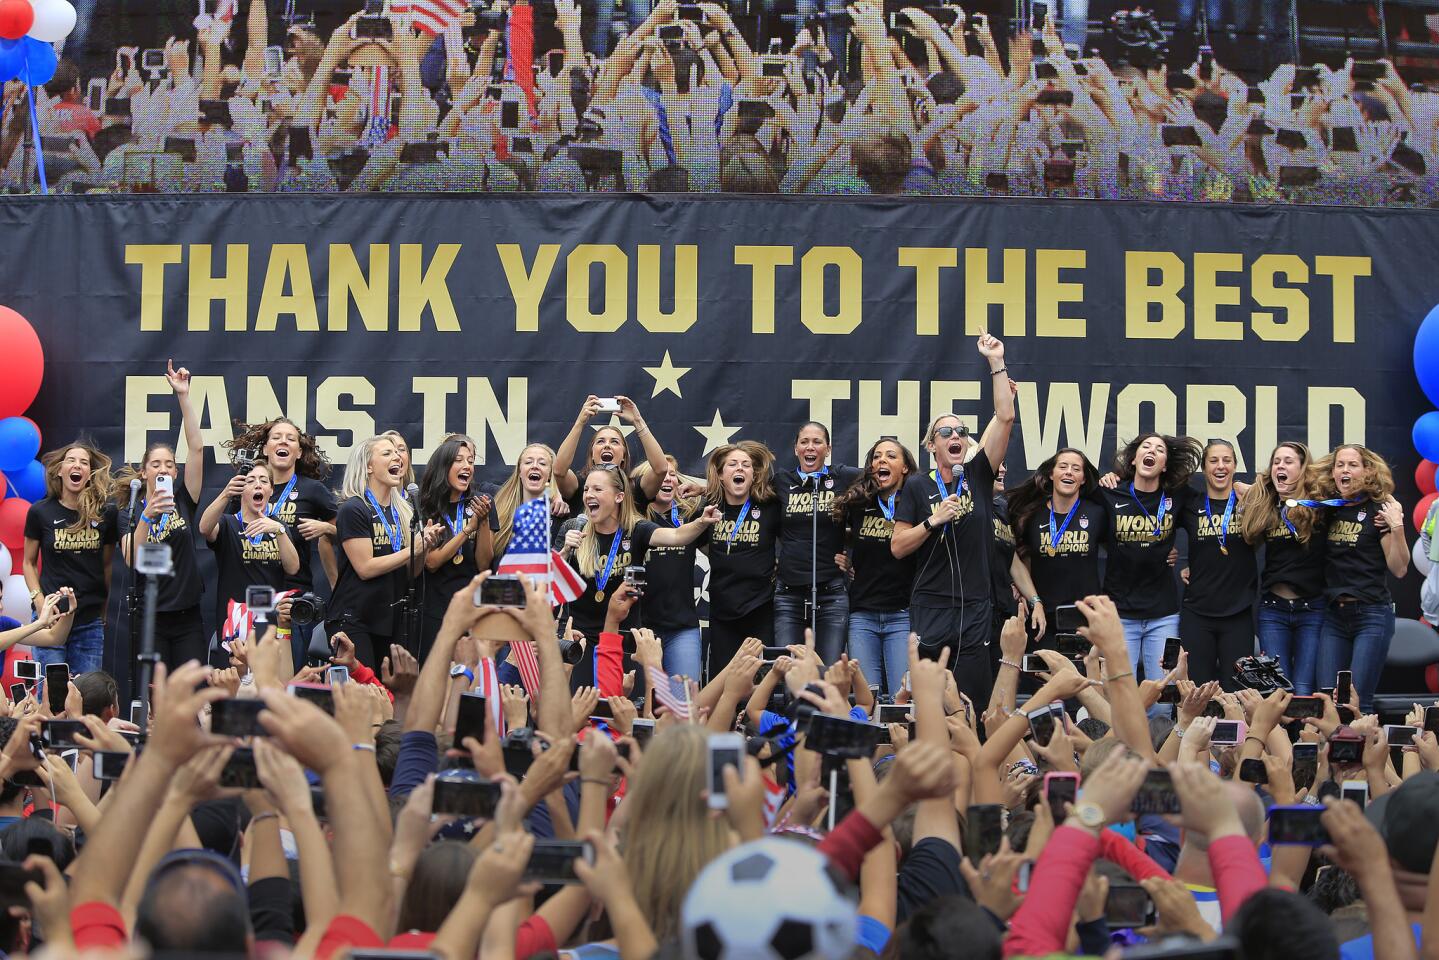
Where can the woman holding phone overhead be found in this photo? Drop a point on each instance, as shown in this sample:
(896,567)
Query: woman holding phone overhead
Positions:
(942,519)
(742,548)
(70,539)
(465,546)
(377,556)
(1216,621)
(1291,585)
(167,515)
(810,540)
(879,592)
(607,447)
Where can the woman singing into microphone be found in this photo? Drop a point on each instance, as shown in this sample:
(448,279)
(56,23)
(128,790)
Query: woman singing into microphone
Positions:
(742,548)
(879,592)
(167,515)
(251,547)
(1364,541)
(376,552)
(810,539)
(466,545)
(668,607)
(70,539)
(1291,586)
(606,448)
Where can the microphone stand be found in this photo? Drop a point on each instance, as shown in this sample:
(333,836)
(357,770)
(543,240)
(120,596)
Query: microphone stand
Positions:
(814,563)
(132,603)
(409,606)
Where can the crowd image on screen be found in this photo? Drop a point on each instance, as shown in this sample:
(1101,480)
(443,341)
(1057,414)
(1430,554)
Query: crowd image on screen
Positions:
(1257,101)
(450,710)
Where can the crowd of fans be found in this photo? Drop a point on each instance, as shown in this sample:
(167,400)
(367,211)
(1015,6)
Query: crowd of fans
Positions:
(868,98)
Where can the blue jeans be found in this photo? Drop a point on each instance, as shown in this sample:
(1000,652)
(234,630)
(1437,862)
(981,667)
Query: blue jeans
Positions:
(790,620)
(84,651)
(1146,646)
(682,652)
(1356,637)
(879,640)
(1289,632)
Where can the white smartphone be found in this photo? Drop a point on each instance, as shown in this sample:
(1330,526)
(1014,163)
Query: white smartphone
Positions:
(165,484)
(274,61)
(609,405)
(725,749)
(1356,790)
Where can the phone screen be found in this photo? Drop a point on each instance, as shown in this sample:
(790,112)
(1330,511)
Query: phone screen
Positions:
(1067,619)
(720,757)
(553,861)
(1156,794)
(57,685)
(1126,906)
(1299,825)
(1060,790)
(501,591)
(1172,646)
(470,721)
(1300,707)
(237,718)
(983,830)
(1042,724)
(462,793)
(1344,687)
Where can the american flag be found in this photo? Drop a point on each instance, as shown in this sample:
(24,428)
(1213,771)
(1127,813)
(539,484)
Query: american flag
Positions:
(774,795)
(487,683)
(430,16)
(239,621)
(529,555)
(377,125)
(673,695)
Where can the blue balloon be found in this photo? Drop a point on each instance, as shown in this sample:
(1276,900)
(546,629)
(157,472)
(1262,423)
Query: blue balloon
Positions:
(19,443)
(1426,435)
(28,483)
(12,59)
(40,62)
(1426,356)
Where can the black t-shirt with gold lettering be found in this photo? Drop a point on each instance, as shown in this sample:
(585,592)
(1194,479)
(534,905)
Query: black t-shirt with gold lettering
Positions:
(952,565)
(1354,564)
(1220,585)
(1137,575)
(309,500)
(1073,571)
(801,529)
(240,563)
(669,600)
(742,568)
(182,589)
(368,602)
(73,558)
(1298,564)
(587,609)
(439,586)
(1001,582)
(881,583)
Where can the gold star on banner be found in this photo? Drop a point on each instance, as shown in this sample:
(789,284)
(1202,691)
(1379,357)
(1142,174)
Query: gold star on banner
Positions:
(624,428)
(716,434)
(667,377)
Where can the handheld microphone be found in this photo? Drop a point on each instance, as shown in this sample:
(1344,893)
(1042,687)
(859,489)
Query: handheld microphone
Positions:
(412,494)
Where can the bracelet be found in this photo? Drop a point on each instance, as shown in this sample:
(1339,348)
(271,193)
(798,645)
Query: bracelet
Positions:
(926,524)
(995,373)
(281,633)
(1119,676)
(1255,739)
(1010,663)
(603,783)
(1179,731)
(1036,602)
(363,746)
(267,815)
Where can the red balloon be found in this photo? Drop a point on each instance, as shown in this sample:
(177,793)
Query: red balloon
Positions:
(1431,677)
(22,362)
(17,560)
(1421,509)
(1424,477)
(12,524)
(16,18)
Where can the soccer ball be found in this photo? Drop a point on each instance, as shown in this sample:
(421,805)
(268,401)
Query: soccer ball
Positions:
(771,899)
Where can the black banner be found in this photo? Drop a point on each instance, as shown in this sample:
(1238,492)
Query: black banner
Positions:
(724,318)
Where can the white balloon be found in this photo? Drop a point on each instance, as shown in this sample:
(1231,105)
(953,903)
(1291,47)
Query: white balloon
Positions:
(54,19)
(6,561)
(16,600)
(1422,563)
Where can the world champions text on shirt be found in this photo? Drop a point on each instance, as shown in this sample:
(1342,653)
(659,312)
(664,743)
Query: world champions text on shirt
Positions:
(1344,532)
(86,538)
(724,532)
(1136,528)
(1074,540)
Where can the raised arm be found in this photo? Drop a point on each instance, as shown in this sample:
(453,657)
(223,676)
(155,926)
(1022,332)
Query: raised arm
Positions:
(654,453)
(687,533)
(565,477)
(996,443)
(194,442)
(1127,714)
(210,519)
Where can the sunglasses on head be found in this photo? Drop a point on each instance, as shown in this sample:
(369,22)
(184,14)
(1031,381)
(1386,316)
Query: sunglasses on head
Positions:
(946,432)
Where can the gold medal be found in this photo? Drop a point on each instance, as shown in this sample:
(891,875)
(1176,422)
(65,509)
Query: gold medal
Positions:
(1223,549)
(459,558)
(599,596)
(1051,551)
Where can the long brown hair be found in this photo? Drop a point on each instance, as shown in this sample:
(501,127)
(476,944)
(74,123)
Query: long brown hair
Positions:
(625,462)
(688,508)
(1183,457)
(1032,496)
(1380,481)
(1263,503)
(97,489)
(311,462)
(761,491)
(120,482)
(867,486)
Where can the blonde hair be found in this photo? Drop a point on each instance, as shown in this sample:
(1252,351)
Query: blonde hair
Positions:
(1260,512)
(357,478)
(98,489)
(1379,484)
(688,508)
(588,552)
(669,836)
(409,477)
(507,498)
(761,491)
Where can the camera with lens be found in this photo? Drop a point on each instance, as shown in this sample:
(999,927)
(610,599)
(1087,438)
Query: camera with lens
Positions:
(244,458)
(1262,674)
(306,609)
(635,579)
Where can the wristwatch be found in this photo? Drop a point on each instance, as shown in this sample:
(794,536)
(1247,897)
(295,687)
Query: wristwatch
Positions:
(926,524)
(1089,814)
(460,670)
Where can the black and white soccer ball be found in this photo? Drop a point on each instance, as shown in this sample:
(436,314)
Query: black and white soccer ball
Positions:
(771,899)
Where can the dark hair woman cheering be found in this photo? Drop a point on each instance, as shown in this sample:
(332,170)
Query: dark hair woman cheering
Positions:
(251,547)
(742,548)
(879,592)
(810,539)
(466,544)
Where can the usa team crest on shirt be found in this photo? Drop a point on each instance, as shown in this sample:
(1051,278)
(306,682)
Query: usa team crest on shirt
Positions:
(1168,503)
(1084,523)
(294,494)
(1360,518)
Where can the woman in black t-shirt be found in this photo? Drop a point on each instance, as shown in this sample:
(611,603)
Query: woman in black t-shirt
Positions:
(809,535)
(607,447)
(742,548)
(879,592)
(377,554)
(1216,622)
(669,600)
(1364,542)
(1150,489)
(251,547)
(69,542)
(167,515)
(466,546)
(1291,601)
(1059,527)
